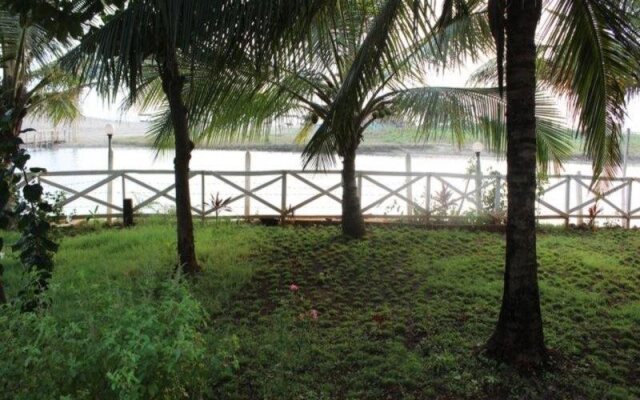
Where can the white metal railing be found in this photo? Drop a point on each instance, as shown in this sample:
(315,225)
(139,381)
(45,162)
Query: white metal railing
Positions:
(565,199)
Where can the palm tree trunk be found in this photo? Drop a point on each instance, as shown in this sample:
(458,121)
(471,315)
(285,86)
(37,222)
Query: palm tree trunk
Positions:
(173,83)
(13,101)
(518,337)
(3,296)
(18,121)
(352,219)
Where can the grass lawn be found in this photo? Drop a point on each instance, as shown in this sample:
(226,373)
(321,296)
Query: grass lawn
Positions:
(401,314)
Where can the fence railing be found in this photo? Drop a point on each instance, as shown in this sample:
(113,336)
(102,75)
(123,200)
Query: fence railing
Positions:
(564,199)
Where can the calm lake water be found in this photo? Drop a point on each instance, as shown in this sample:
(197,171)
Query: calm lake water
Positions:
(76,159)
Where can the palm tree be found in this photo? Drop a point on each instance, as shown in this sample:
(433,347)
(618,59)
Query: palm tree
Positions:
(519,334)
(31,81)
(437,109)
(31,84)
(590,54)
(112,56)
(309,89)
(160,34)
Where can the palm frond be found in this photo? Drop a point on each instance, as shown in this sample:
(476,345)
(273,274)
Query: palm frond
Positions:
(338,130)
(479,113)
(55,96)
(246,99)
(592,54)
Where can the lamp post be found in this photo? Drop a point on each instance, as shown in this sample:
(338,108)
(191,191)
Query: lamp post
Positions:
(478,148)
(626,199)
(109,131)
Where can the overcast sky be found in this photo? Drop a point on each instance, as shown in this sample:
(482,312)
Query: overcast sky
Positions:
(94,107)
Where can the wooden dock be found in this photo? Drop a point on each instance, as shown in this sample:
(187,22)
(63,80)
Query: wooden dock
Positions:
(47,139)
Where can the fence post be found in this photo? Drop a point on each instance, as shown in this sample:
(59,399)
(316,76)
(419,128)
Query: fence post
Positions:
(360,182)
(625,159)
(247,184)
(124,186)
(629,203)
(110,184)
(410,187)
(567,201)
(283,204)
(428,197)
(579,197)
(204,209)
(478,184)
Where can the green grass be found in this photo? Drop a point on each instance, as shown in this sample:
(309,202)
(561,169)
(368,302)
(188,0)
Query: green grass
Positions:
(402,314)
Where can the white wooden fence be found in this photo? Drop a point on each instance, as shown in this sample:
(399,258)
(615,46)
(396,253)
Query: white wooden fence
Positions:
(565,199)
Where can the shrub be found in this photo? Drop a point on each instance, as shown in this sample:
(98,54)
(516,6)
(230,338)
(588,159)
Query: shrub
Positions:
(145,349)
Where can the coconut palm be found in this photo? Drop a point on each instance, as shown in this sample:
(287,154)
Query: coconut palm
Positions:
(400,91)
(589,53)
(30,84)
(591,56)
(159,34)
(31,81)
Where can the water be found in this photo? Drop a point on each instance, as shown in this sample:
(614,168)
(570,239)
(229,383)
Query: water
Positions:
(77,159)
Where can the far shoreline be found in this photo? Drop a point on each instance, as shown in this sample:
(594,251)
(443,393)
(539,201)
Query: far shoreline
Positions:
(380,149)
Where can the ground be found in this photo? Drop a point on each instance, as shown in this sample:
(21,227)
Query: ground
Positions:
(300,313)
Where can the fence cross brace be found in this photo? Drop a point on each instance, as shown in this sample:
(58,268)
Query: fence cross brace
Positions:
(241,196)
(84,193)
(249,193)
(392,193)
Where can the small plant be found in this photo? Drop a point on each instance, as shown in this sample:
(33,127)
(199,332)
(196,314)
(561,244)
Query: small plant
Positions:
(594,211)
(444,203)
(393,208)
(495,191)
(92,215)
(422,216)
(220,204)
(290,215)
(57,200)
(542,183)
(471,166)
(498,217)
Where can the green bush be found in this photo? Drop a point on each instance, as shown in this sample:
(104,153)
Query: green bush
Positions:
(152,347)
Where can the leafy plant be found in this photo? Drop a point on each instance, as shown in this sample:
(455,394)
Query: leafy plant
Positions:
(29,210)
(92,215)
(220,204)
(542,183)
(497,217)
(135,347)
(290,213)
(444,203)
(496,187)
(393,208)
(594,211)
(57,200)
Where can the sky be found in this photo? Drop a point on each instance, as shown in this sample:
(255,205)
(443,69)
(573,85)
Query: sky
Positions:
(94,107)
